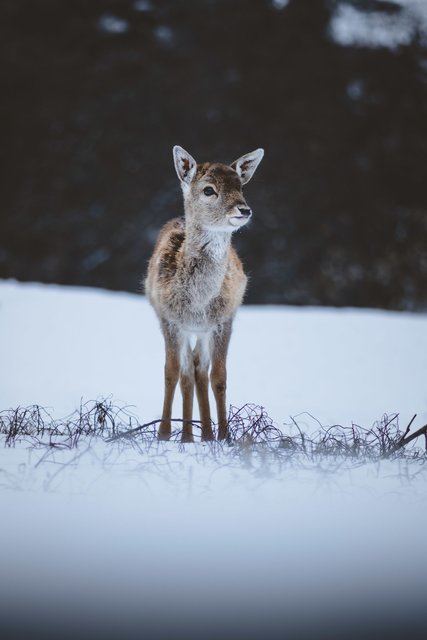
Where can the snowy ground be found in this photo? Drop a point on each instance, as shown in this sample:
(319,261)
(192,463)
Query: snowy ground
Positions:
(172,541)
(61,344)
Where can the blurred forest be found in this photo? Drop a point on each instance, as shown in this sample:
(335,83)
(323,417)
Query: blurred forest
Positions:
(94,94)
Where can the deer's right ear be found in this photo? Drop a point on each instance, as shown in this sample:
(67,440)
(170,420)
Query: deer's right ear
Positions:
(185,164)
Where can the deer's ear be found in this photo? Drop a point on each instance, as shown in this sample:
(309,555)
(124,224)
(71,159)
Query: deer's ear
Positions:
(246,165)
(185,164)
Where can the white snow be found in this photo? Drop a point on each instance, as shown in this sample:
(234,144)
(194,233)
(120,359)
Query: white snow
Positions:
(143,5)
(280,4)
(191,541)
(112,24)
(62,344)
(351,26)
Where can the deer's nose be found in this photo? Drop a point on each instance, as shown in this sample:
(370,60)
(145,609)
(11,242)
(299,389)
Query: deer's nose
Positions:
(246,213)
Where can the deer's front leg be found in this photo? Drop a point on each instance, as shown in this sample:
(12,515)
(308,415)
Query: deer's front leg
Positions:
(221,340)
(171,380)
(187,390)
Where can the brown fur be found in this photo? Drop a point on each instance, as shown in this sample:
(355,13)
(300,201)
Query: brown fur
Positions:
(195,282)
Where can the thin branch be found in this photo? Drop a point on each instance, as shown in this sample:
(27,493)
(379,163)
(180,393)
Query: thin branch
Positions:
(126,434)
(404,441)
(408,428)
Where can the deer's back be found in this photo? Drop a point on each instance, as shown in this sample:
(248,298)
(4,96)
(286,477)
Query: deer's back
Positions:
(196,292)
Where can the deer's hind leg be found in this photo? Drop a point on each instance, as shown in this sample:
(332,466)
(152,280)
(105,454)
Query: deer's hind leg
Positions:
(201,368)
(172,367)
(220,342)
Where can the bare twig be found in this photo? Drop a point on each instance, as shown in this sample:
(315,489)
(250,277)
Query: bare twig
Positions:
(256,440)
(408,428)
(141,427)
(404,441)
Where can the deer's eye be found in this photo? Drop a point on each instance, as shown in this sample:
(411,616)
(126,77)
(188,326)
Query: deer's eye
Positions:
(208,191)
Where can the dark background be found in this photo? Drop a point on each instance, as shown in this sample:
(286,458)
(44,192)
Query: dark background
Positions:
(94,94)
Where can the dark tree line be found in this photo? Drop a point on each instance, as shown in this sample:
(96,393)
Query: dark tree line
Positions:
(94,95)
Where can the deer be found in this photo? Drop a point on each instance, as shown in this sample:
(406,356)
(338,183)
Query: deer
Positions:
(195,282)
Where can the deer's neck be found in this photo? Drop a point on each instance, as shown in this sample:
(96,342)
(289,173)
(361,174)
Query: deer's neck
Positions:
(206,254)
(206,245)
(212,246)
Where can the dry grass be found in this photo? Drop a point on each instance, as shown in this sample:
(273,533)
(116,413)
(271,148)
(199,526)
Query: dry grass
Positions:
(252,433)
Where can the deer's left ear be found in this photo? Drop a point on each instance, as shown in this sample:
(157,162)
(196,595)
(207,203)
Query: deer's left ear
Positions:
(246,165)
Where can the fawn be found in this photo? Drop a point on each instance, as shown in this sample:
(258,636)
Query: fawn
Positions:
(195,282)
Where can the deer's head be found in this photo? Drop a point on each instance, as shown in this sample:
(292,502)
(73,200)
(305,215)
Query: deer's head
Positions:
(213,192)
